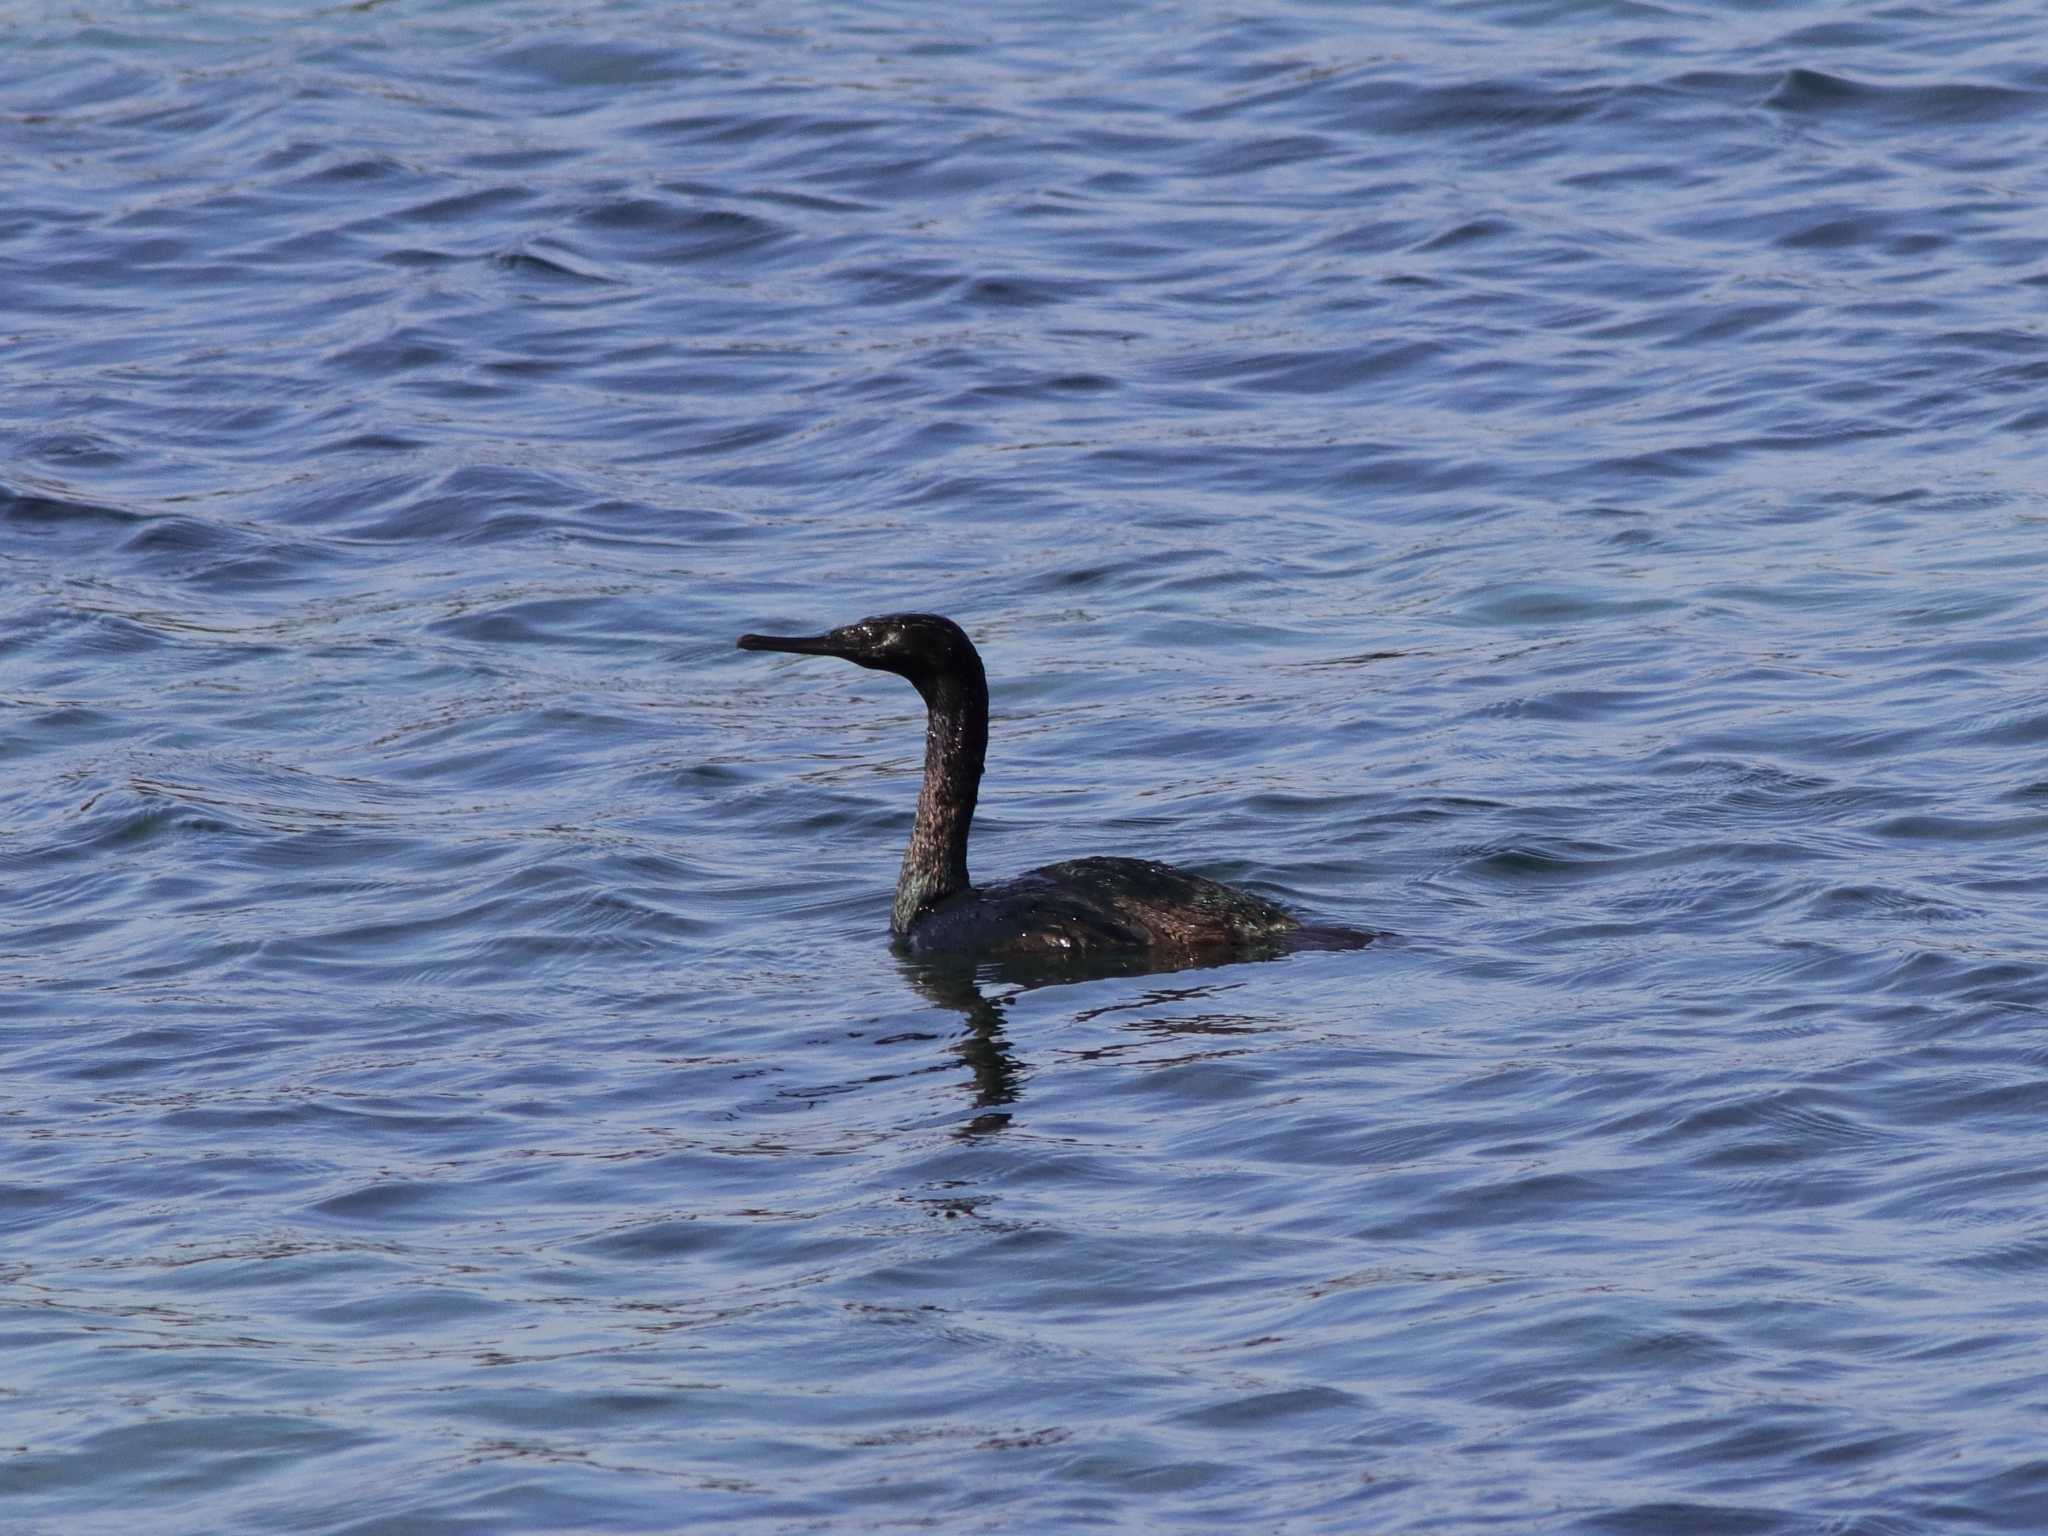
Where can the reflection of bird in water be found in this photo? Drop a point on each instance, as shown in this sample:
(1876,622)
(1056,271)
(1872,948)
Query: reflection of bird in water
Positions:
(984,1048)
(1083,907)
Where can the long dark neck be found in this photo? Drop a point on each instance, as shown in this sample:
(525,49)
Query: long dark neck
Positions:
(955,746)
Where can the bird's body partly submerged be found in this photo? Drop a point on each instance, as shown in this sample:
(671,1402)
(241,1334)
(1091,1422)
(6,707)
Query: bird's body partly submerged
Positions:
(1078,907)
(1090,905)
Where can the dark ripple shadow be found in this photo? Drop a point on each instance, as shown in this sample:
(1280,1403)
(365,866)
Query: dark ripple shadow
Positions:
(1814,93)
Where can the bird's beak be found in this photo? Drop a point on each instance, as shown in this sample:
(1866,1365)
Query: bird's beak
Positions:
(828,644)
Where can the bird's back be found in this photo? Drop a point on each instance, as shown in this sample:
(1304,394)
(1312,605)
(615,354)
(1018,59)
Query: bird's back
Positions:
(1101,905)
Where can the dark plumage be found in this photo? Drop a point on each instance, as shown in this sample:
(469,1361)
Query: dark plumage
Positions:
(1080,906)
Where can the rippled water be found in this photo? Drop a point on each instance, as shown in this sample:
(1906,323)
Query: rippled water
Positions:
(1556,482)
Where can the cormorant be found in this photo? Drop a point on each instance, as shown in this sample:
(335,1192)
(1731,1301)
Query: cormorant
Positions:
(1078,907)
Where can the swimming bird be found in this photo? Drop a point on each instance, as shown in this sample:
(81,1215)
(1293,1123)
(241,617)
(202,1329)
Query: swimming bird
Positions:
(1079,907)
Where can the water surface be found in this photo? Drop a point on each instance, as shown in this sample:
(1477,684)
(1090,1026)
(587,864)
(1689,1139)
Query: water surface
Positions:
(1557,483)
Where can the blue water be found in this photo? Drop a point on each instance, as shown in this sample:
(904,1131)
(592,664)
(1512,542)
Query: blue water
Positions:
(1558,483)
